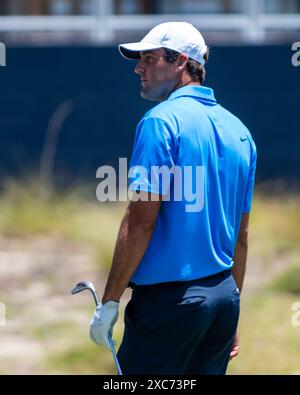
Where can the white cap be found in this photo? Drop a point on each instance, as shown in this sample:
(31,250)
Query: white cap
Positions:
(182,37)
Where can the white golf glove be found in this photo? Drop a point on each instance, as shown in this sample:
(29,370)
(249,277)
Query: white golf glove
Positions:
(102,323)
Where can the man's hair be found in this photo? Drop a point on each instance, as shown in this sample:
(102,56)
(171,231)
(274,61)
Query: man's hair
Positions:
(195,69)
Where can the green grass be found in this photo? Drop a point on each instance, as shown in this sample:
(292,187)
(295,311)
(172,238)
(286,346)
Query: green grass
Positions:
(274,226)
(289,280)
(270,344)
(69,215)
(52,330)
(274,222)
(85,358)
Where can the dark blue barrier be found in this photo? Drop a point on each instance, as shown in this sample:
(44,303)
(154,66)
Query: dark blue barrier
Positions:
(258,84)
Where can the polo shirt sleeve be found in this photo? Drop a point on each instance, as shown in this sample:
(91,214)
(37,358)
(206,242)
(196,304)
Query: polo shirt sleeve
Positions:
(154,146)
(250,181)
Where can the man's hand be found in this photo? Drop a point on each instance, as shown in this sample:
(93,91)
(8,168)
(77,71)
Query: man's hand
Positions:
(102,323)
(235,346)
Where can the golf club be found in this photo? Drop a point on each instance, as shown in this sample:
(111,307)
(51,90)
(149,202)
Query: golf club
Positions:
(83,285)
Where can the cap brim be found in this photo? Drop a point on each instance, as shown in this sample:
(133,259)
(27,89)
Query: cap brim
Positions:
(132,50)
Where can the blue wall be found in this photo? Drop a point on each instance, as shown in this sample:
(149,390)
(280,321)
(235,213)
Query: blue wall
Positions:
(258,84)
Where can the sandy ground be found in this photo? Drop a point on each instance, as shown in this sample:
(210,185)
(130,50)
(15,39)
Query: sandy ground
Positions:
(36,277)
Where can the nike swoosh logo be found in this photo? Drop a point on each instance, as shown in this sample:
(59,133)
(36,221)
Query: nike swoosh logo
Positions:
(244,138)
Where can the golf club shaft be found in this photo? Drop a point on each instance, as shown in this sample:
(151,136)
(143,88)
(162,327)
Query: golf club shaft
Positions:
(115,356)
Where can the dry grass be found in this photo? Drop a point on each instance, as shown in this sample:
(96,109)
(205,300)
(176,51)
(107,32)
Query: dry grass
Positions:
(270,343)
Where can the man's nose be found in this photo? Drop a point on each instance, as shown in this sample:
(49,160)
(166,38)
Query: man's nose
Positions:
(140,67)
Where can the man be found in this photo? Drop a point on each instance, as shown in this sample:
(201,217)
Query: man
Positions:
(185,263)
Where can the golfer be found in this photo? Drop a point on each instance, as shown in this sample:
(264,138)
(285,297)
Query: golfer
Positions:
(183,254)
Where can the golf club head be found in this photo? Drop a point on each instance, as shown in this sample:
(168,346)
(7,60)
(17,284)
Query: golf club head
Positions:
(82,286)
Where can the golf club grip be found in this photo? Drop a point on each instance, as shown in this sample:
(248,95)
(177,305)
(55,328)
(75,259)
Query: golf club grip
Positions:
(83,285)
(113,350)
(97,301)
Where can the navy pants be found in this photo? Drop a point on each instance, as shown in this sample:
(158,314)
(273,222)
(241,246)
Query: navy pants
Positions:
(180,327)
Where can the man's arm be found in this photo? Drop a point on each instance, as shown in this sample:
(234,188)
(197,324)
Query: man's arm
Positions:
(240,252)
(133,239)
(239,269)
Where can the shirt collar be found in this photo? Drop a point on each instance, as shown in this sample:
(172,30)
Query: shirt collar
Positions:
(199,92)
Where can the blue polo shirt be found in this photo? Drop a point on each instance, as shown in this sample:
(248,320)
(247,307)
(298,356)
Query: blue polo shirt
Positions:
(213,159)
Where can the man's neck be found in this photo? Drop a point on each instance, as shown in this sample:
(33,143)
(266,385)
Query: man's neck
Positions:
(183,83)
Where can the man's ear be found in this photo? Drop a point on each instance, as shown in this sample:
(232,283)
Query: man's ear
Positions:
(182,60)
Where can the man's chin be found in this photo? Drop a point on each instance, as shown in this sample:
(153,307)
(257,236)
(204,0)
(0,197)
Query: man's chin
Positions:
(147,95)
